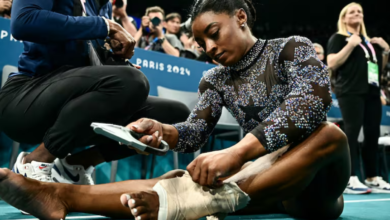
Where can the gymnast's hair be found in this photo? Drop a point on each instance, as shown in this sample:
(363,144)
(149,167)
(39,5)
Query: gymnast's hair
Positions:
(224,6)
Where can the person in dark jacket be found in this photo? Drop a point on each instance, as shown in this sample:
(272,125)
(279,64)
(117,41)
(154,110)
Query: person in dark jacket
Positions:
(56,95)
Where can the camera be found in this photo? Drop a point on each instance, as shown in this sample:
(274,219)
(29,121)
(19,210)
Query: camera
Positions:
(118,3)
(156,21)
(185,27)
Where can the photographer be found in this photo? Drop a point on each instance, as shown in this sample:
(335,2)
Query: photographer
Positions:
(177,30)
(5,8)
(151,35)
(120,16)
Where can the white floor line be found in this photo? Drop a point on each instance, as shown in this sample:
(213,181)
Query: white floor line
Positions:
(72,217)
(368,200)
(99,216)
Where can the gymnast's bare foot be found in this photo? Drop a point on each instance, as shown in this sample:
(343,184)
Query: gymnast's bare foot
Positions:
(143,205)
(38,199)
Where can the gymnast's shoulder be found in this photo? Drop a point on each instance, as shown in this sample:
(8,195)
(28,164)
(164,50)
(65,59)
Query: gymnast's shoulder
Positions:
(215,78)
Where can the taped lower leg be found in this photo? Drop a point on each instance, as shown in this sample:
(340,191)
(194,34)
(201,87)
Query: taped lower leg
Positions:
(218,216)
(260,165)
(180,198)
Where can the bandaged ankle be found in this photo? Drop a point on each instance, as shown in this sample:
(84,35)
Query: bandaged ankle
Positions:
(182,199)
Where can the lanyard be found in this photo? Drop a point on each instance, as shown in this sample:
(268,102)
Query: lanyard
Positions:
(82,4)
(366,51)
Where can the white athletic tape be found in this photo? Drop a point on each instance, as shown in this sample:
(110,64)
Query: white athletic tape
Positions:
(73,217)
(180,198)
(163,200)
(219,216)
(260,165)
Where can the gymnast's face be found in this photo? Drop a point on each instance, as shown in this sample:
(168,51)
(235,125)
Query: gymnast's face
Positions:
(221,35)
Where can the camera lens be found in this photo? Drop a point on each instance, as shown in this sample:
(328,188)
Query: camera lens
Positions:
(119,3)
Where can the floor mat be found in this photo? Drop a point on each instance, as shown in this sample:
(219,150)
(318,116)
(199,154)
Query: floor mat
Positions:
(357,207)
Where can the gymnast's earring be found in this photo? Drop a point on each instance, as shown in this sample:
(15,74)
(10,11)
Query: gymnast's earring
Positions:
(243,25)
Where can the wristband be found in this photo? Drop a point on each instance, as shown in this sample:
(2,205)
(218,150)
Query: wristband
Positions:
(108,25)
(161,40)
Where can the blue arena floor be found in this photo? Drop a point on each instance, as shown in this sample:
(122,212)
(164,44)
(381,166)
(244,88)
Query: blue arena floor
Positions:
(357,207)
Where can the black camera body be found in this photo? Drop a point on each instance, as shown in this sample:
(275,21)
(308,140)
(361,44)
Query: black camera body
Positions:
(185,27)
(156,21)
(119,3)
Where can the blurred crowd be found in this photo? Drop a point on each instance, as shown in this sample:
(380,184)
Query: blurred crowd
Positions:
(158,31)
(170,33)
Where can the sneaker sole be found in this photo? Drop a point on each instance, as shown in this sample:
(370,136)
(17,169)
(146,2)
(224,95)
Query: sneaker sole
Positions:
(380,191)
(24,213)
(348,191)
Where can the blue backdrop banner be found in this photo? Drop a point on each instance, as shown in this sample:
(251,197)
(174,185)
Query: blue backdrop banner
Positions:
(168,71)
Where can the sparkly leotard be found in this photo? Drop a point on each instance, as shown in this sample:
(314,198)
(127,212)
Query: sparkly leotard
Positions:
(279,92)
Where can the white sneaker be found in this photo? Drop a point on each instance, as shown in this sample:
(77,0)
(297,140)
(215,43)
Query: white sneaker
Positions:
(34,170)
(378,185)
(63,172)
(356,187)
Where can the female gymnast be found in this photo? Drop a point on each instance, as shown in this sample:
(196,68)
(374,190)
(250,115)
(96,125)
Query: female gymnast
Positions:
(279,93)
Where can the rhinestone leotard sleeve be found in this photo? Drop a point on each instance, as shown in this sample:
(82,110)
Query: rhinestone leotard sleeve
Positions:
(194,133)
(307,103)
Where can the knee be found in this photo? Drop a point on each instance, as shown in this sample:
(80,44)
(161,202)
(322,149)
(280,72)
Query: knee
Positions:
(133,82)
(127,82)
(333,136)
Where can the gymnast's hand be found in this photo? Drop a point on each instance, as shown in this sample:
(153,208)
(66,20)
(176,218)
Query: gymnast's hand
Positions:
(125,42)
(152,129)
(208,169)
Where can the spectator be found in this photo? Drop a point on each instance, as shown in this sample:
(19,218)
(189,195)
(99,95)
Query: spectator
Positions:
(319,51)
(191,48)
(5,8)
(385,86)
(119,14)
(357,62)
(172,23)
(172,26)
(151,35)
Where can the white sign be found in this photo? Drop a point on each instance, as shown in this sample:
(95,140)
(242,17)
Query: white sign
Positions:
(163,67)
(4,35)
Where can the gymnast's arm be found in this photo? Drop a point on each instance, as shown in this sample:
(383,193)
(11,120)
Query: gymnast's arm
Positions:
(188,136)
(33,20)
(192,134)
(302,110)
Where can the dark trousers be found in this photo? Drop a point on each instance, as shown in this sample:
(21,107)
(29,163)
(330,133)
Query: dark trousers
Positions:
(58,108)
(366,110)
